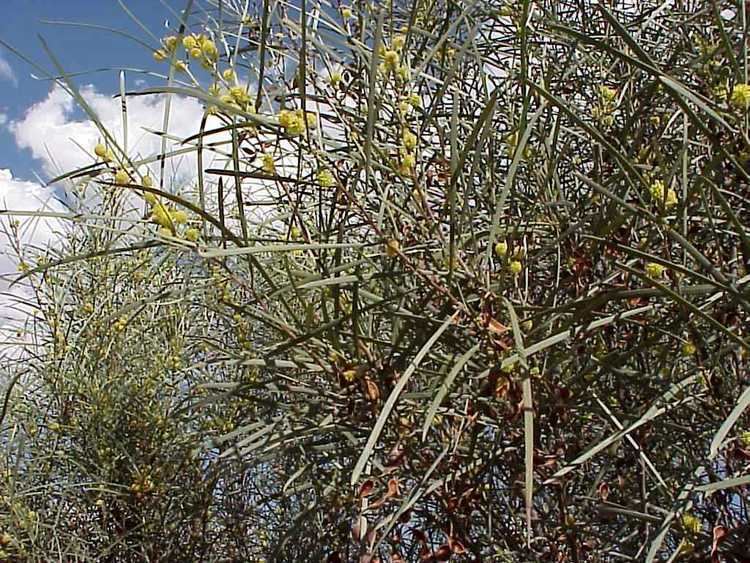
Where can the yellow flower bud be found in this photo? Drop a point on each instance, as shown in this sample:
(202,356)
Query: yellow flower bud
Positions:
(392,248)
(740,97)
(268,165)
(325,178)
(409,139)
(515,267)
(179,217)
(100,150)
(170,43)
(654,270)
(210,50)
(122,177)
(501,249)
(391,59)
(192,234)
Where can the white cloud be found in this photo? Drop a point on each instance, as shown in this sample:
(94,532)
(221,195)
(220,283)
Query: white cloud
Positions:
(6,71)
(62,139)
(3,119)
(21,236)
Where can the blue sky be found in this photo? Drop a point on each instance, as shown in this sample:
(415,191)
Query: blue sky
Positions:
(78,49)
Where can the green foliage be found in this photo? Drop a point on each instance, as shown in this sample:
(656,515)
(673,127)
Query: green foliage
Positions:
(462,280)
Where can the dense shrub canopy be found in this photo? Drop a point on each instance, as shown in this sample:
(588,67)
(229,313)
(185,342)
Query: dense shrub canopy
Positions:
(453,280)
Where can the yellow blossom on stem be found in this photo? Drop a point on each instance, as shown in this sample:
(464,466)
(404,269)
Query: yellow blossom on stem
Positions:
(691,524)
(607,94)
(740,97)
(239,95)
(658,189)
(122,177)
(407,164)
(334,79)
(515,267)
(100,150)
(501,249)
(391,59)
(267,164)
(170,43)
(325,178)
(192,234)
(409,139)
(654,270)
(179,217)
(210,50)
(392,248)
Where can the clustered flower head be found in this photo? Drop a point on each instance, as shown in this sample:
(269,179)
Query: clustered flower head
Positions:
(691,524)
(122,177)
(325,178)
(103,152)
(688,348)
(516,267)
(296,122)
(740,97)
(661,195)
(392,248)
(408,161)
(169,219)
(197,46)
(606,106)
(409,140)
(393,60)
(654,270)
(267,164)
(239,97)
(501,249)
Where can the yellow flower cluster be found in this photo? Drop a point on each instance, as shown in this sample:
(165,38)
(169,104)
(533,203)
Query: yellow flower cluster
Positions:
(654,270)
(392,248)
(296,122)
(202,48)
(335,78)
(740,97)
(658,194)
(120,324)
(122,177)
(691,524)
(103,152)
(325,178)
(169,219)
(239,97)
(688,348)
(392,60)
(603,111)
(198,46)
(267,164)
